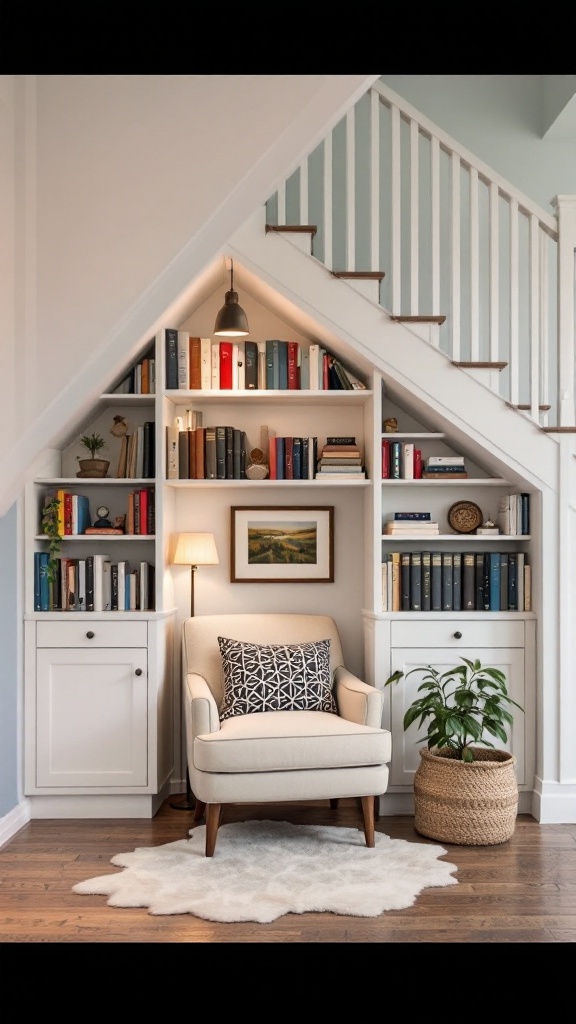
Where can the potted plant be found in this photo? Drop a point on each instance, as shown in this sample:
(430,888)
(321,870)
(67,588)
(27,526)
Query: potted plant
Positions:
(92,467)
(50,526)
(465,789)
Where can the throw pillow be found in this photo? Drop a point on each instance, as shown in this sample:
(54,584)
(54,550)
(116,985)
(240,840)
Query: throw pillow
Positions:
(275,677)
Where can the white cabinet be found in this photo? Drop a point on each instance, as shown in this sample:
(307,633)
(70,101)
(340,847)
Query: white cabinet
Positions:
(92,717)
(99,707)
(410,641)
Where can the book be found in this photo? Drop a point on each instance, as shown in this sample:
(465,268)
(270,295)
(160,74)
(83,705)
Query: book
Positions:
(171,357)
(205,364)
(410,516)
(184,454)
(527,588)
(445,460)
(513,582)
(149,450)
(524,513)
(271,365)
(102,583)
(520,563)
(431,475)
(468,581)
(90,583)
(346,441)
(195,363)
(183,360)
(229,453)
(123,569)
(416,581)
(494,578)
(408,460)
(395,460)
(200,435)
(405,577)
(447,581)
(261,366)
(172,468)
(236,453)
(426,584)
(293,369)
(215,366)
(251,367)
(503,581)
(210,449)
(220,439)
(304,355)
(114,587)
(418,464)
(314,368)
(436,582)
(81,585)
(41,582)
(395,581)
(457,581)
(226,351)
(479,580)
(282,365)
(385,459)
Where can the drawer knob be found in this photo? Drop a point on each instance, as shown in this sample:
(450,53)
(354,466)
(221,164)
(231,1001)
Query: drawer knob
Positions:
(138,671)
(457,635)
(90,634)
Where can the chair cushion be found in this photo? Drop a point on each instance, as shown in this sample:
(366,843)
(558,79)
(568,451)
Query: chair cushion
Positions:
(293,741)
(275,677)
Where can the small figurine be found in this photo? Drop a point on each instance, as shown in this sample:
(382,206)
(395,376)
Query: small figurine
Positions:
(257,468)
(390,425)
(102,522)
(119,427)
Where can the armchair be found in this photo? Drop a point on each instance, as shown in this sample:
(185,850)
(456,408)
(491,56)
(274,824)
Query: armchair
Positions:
(272,715)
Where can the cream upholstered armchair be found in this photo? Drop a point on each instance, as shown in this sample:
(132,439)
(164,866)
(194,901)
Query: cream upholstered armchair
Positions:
(273,715)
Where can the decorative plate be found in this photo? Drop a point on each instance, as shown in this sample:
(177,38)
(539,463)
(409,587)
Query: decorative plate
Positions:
(464,516)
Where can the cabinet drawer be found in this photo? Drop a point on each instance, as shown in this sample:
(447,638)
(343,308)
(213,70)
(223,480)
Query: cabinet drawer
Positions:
(106,634)
(486,633)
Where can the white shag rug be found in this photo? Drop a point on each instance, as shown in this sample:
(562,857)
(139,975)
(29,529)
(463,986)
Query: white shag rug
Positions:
(264,869)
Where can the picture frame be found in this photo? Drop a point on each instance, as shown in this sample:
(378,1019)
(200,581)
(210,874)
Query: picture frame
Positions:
(282,544)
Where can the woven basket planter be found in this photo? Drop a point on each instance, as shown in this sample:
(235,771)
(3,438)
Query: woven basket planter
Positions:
(469,803)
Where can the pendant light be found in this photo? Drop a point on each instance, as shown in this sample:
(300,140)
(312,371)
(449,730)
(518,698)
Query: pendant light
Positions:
(231,321)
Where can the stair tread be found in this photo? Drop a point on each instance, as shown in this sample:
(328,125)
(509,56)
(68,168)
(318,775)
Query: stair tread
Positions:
(419,319)
(295,228)
(370,275)
(480,365)
(559,430)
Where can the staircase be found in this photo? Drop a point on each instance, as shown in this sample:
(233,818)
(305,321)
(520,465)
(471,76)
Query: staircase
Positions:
(415,222)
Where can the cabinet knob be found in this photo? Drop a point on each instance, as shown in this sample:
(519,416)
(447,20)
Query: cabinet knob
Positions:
(138,671)
(90,634)
(457,635)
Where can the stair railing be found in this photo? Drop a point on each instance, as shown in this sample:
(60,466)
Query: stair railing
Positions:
(389,191)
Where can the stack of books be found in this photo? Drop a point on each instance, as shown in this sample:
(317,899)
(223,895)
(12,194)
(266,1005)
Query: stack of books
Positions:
(340,459)
(444,467)
(410,524)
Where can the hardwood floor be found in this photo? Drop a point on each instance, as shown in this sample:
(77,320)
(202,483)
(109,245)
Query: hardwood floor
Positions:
(523,890)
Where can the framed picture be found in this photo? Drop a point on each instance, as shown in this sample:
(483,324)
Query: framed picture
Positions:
(282,544)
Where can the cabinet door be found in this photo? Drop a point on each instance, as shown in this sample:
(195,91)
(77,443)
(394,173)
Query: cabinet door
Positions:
(91,717)
(406,745)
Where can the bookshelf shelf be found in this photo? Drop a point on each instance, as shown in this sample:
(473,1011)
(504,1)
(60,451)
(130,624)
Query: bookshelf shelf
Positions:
(489,481)
(465,538)
(269,484)
(268,397)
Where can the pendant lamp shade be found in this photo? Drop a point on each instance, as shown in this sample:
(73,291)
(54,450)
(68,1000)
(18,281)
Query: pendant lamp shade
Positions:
(231,321)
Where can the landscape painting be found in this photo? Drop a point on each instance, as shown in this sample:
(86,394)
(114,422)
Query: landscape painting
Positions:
(279,544)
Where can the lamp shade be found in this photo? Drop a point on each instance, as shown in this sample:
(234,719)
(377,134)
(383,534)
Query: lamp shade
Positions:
(231,321)
(196,549)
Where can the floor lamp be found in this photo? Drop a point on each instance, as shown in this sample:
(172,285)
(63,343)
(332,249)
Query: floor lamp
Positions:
(192,549)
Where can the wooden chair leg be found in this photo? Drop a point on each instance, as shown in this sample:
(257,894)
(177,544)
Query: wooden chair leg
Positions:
(198,811)
(368,812)
(213,816)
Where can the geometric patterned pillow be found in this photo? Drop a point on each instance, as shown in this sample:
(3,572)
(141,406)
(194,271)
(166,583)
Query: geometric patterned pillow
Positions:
(275,677)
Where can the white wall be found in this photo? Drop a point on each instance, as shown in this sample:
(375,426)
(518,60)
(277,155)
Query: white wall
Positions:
(126,187)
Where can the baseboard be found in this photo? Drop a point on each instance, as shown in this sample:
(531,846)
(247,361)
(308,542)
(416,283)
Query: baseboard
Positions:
(12,822)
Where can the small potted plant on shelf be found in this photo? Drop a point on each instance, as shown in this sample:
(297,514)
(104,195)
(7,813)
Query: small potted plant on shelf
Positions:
(465,789)
(92,467)
(50,526)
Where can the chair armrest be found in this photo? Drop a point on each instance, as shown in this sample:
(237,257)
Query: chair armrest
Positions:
(358,701)
(200,708)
